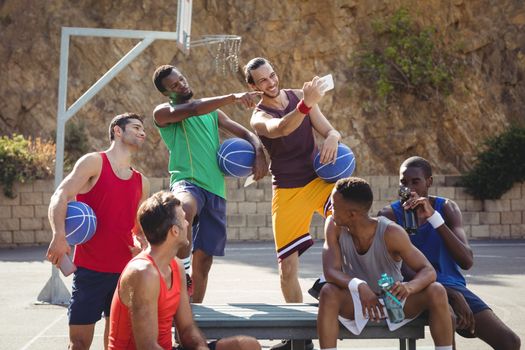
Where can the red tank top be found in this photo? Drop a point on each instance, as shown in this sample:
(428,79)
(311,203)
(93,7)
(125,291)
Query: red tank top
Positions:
(115,203)
(120,331)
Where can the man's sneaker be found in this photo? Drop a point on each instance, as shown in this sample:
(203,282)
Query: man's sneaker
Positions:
(316,289)
(287,345)
(189,285)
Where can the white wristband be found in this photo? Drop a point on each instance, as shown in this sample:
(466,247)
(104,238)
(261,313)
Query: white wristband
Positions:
(436,219)
(354,283)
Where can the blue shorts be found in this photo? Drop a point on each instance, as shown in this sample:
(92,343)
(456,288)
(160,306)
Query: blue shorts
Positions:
(91,296)
(209,226)
(475,303)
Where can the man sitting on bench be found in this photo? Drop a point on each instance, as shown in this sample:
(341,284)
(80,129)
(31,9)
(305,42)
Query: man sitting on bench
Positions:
(358,249)
(442,239)
(152,288)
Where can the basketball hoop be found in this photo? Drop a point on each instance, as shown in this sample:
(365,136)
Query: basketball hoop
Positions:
(225,50)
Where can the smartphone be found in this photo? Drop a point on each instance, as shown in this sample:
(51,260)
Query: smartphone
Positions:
(327,82)
(66,265)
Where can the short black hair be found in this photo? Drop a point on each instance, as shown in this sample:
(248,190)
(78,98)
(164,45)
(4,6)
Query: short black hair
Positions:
(157,215)
(357,190)
(161,73)
(418,162)
(122,120)
(252,65)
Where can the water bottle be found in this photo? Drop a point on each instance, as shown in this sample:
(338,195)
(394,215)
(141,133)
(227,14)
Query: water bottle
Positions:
(409,216)
(393,306)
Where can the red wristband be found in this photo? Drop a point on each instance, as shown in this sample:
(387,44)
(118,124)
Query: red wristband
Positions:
(303,108)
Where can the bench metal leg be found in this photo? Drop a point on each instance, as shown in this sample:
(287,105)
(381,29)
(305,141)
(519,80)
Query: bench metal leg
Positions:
(407,344)
(298,344)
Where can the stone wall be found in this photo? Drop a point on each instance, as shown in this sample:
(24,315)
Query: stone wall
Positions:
(23,220)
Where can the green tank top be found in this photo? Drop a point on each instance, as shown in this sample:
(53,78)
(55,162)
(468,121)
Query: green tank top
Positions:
(193,145)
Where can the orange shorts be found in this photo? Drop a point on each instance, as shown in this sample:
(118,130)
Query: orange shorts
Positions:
(292,211)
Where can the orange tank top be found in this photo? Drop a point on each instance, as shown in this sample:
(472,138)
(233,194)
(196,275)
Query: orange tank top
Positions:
(120,332)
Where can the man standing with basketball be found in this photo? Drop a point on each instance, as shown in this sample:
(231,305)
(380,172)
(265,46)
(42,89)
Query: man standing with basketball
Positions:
(285,120)
(113,189)
(441,238)
(190,129)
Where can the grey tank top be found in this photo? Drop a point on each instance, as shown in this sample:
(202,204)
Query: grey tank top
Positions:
(376,261)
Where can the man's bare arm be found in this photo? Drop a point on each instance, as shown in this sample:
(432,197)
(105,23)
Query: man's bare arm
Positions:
(451,230)
(328,149)
(454,236)
(267,126)
(332,257)
(140,241)
(189,334)
(388,213)
(78,181)
(166,114)
(399,246)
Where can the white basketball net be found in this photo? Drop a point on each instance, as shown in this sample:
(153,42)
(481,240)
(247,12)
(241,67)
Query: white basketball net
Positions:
(224,49)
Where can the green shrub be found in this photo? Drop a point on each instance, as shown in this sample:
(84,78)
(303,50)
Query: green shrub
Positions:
(23,160)
(75,143)
(499,165)
(404,58)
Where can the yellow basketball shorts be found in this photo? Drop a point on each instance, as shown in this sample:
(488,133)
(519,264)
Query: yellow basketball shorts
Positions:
(292,211)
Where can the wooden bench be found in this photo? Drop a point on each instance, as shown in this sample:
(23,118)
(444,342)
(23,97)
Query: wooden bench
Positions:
(289,321)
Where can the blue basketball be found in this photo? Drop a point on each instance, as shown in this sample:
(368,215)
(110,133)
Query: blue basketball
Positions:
(81,223)
(236,157)
(343,167)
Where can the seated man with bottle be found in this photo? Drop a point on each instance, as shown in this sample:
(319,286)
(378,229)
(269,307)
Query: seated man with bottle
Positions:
(435,227)
(362,258)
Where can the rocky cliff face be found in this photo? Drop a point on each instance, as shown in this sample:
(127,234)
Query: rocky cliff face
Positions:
(302,38)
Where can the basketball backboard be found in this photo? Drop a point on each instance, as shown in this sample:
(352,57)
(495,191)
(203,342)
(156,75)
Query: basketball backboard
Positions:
(184,25)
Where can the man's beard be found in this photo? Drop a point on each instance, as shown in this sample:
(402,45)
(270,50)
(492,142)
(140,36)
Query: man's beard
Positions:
(179,99)
(270,96)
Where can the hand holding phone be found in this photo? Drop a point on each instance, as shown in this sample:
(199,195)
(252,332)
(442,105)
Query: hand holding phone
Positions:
(66,265)
(327,83)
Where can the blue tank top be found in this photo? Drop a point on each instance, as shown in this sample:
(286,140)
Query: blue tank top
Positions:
(430,243)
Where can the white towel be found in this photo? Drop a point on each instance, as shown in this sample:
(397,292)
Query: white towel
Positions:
(356,326)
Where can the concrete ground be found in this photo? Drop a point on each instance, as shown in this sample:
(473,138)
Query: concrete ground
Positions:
(247,273)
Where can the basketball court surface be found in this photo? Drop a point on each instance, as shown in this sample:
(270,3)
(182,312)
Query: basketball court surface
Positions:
(247,273)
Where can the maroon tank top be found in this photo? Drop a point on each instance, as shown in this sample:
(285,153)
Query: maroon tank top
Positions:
(115,203)
(291,156)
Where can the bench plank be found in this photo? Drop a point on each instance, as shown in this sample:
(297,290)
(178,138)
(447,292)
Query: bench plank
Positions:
(288,321)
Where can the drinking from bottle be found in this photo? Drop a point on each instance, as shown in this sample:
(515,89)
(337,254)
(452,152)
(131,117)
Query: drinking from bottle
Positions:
(409,221)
